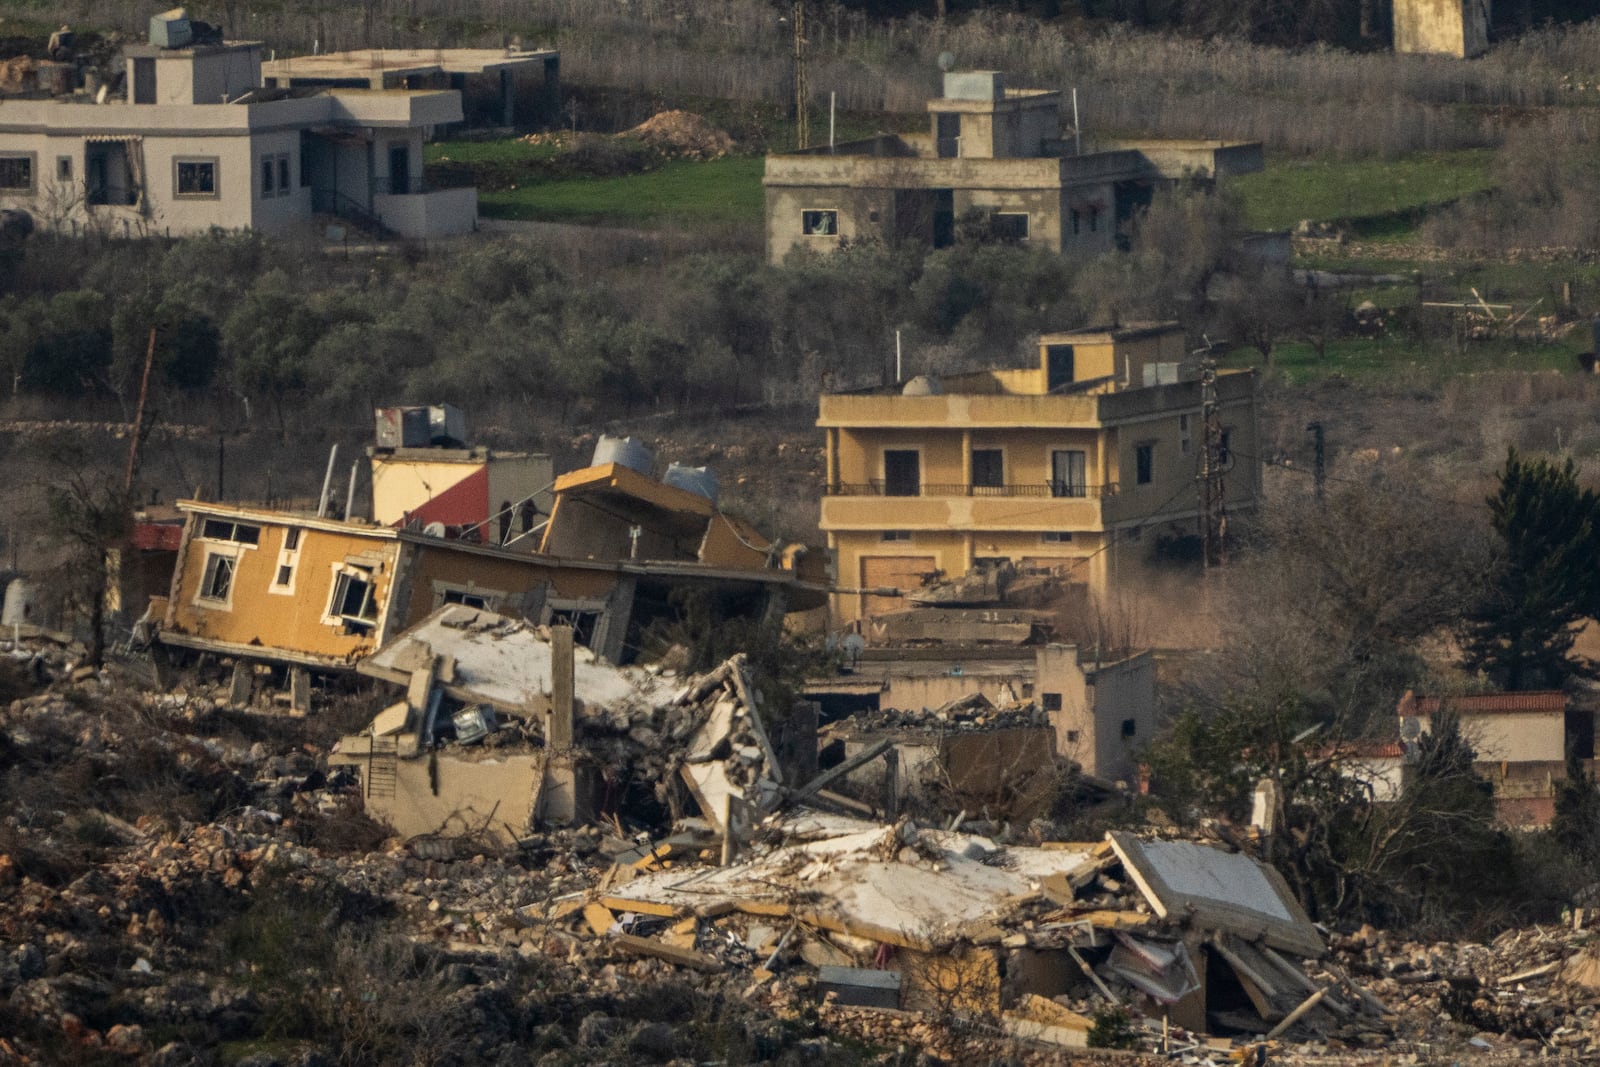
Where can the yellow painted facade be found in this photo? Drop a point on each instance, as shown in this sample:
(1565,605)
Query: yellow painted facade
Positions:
(1071,466)
(261,579)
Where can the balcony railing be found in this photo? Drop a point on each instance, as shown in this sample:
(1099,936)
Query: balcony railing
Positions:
(1057,490)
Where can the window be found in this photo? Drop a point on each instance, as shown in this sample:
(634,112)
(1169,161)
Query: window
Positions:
(216,583)
(16,173)
(1225,448)
(1144,462)
(1128,727)
(988,468)
(1059,369)
(820,223)
(195,177)
(902,472)
(288,562)
(1050,701)
(1072,737)
(1077,222)
(352,602)
(63,168)
(1009,226)
(471,600)
(1094,220)
(238,533)
(1185,436)
(1027,690)
(583,623)
(275,175)
(897,535)
(1069,472)
(1056,537)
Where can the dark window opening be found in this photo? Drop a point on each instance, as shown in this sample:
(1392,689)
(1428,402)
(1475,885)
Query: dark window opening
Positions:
(1077,222)
(897,535)
(1144,461)
(820,223)
(1050,701)
(283,174)
(63,168)
(218,578)
(988,468)
(285,574)
(1072,737)
(1009,226)
(400,170)
(1056,537)
(291,538)
(144,81)
(902,472)
(471,600)
(1069,473)
(237,532)
(353,600)
(268,172)
(1059,367)
(197,178)
(1128,727)
(583,624)
(16,173)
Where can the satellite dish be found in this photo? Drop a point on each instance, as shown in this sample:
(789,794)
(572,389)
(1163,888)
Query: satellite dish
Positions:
(434,529)
(947,60)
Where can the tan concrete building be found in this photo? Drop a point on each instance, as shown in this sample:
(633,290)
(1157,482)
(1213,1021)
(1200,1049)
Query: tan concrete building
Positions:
(993,157)
(498,86)
(1442,27)
(195,144)
(1069,470)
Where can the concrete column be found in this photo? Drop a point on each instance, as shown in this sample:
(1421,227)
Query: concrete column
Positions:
(244,677)
(299,690)
(966,464)
(558,734)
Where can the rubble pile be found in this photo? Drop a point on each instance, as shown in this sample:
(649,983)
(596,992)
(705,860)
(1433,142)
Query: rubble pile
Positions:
(683,134)
(1530,990)
(974,712)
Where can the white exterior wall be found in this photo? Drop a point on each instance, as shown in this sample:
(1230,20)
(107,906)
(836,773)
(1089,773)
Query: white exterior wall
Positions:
(1514,737)
(235,137)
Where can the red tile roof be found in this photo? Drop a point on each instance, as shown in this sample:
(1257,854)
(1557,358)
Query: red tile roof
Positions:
(1490,703)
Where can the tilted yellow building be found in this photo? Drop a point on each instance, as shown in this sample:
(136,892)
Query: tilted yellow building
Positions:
(1073,469)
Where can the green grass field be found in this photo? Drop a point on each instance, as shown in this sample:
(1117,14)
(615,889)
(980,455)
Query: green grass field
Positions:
(1394,361)
(716,191)
(1378,199)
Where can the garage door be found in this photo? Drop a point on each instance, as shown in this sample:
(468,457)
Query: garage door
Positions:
(892,572)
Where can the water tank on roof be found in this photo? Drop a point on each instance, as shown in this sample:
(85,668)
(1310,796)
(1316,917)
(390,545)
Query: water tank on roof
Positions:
(402,427)
(447,425)
(624,451)
(702,481)
(171,29)
(922,385)
(19,603)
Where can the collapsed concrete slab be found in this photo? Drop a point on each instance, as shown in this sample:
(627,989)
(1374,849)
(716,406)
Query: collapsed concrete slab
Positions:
(506,725)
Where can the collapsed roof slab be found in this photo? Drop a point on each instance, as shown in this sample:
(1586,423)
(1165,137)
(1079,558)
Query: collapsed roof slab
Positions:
(1217,890)
(506,663)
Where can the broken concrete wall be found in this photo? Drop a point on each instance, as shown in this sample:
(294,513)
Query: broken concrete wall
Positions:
(448,794)
(1103,713)
(1442,27)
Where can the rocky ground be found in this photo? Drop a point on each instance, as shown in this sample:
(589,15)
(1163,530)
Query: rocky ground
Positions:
(181,882)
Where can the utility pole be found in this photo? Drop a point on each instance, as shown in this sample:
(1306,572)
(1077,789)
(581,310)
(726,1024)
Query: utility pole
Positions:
(802,84)
(1213,465)
(1319,463)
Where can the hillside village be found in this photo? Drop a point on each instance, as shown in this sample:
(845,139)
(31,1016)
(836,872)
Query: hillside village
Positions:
(795,533)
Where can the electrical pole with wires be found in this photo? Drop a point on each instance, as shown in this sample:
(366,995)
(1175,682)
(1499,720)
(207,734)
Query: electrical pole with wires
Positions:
(802,83)
(1214,464)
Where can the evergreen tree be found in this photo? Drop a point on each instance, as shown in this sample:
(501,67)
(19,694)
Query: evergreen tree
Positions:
(1544,585)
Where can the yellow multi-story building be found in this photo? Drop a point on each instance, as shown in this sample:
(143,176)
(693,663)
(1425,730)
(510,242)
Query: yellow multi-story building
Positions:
(1075,468)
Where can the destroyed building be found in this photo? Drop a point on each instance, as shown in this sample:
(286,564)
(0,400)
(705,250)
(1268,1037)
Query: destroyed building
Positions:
(312,591)
(994,152)
(1096,713)
(1031,487)
(187,140)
